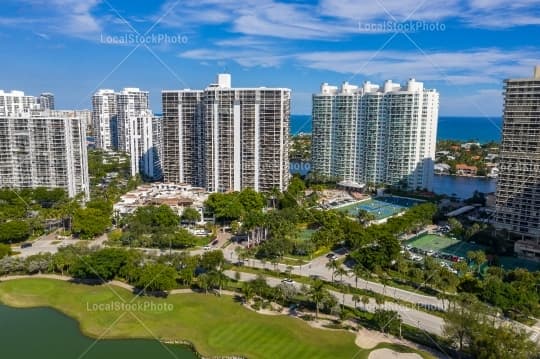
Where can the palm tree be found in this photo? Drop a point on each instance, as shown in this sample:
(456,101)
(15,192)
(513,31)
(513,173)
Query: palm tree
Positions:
(289,270)
(365,301)
(332,265)
(247,291)
(317,293)
(356,299)
(204,282)
(341,271)
(358,271)
(379,300)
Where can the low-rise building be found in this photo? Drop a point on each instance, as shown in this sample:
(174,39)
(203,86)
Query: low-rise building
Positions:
(466,170)
(176,196)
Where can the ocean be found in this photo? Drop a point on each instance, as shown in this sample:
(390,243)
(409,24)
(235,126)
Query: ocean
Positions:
(481,129)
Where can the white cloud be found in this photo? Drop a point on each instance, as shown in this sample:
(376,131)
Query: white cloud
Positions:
(481,66)
(68,17)
(247,58)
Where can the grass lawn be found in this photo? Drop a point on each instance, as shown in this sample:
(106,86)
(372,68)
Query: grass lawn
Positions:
(216,325)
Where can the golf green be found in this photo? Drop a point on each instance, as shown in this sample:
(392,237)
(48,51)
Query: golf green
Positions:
(215,325)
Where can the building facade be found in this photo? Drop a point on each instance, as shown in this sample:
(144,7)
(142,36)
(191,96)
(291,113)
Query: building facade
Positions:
(517,208)
(131,103)
(46,101)
(16,102)
(124,122)
(227,139)
(44,149)
(182,136)
(104,119)
(376,135)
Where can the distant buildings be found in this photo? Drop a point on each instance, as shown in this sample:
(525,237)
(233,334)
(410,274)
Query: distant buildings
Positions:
(123,121)
(46,101)
(44,149)
(227,139)
(376,135)
(518,187)
(15,102)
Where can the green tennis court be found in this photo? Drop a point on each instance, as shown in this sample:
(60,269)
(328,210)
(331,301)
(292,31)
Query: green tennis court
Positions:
(380,207)
(443,244)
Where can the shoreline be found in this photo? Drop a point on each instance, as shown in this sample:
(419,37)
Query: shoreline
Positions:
(462,176)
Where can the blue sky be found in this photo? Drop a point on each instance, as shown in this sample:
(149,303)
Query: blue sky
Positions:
(463,48)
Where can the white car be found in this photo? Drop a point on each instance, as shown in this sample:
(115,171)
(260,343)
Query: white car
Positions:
(287,281)
(207,248)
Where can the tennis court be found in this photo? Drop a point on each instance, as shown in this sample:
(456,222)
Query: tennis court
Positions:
(381,207)
(443,244)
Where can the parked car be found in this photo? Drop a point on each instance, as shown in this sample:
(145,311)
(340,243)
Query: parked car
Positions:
(26,245)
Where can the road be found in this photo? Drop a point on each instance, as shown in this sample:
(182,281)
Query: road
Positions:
(422,320)
(317,267)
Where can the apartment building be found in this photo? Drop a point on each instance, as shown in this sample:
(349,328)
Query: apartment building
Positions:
(131,103)
(15,102)
(104,119)
(182,136)
(46,101)
(227,139)
(517,208)
(144,144)
(372,134)
(124,122)
(44,149)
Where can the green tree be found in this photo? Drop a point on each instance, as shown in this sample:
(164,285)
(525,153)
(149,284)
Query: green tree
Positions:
(317,294)
(14,231)
(156,277)
(5,250)
(191,215)
(90,222)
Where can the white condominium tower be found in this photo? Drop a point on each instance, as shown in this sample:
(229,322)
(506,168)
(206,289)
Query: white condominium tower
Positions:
(376,135)
(123,121)
(227,139)
(518,185)
(104,116)
(44,149)
(143,144)
(46,101)
(15,102)
(131,103)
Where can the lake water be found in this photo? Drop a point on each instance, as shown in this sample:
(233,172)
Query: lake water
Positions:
(47,334)
(462,187)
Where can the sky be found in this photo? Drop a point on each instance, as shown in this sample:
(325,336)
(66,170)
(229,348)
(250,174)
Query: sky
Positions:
(462,48)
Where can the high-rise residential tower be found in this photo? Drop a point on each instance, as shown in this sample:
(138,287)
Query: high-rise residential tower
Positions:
(227,139)
(104,119)
(44,149)
(376,135)
(182,137)
(46,101)
(131,103)
(15,102)
(123,121)
(518,185)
